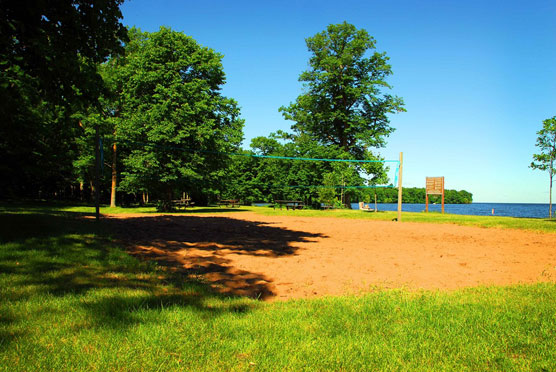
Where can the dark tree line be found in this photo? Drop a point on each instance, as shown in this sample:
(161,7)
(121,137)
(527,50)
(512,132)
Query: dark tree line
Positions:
(417,195)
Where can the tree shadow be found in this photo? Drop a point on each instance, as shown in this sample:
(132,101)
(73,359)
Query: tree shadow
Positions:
(60,257)
(196,246)
(194,210)
(70,256)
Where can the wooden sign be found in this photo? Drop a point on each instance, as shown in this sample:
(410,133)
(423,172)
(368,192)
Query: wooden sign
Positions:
(435,186)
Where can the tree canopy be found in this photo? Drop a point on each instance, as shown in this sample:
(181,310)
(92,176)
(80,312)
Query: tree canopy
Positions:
(343,103)
(49,54)
(175,122)
(59,43)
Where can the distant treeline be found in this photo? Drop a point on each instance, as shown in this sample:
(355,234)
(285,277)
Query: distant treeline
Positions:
(417,195)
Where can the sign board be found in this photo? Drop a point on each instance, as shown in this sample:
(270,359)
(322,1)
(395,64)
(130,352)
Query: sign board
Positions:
(435,185)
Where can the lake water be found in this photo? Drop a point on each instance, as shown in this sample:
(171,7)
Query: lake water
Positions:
(475,209)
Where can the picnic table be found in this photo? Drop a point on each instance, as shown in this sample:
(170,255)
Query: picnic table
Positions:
(293,204)
(229,203)
(182,203)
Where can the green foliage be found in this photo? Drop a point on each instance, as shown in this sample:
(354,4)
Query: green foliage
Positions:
(417,195)
(343,104)
(342,115)
(327,194)
(260,179)
(59,44)
(546,142)
(49,53)
(175,119)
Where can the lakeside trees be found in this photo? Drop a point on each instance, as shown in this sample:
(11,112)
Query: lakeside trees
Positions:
(416,195)
(546,142)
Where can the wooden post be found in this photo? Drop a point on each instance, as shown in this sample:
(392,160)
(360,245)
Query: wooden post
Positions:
(400,189)
(97,174)
(114,177)
(426,201)
(442,195)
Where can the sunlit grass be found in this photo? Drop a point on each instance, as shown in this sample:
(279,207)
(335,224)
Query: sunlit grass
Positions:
(534,224)
(72,300)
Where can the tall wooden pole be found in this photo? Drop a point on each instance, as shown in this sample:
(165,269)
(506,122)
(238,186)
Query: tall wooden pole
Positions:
(443,195)
(97,173)
(400,189)
(114,177)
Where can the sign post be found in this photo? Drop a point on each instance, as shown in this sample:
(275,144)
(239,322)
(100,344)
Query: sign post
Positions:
(435,186)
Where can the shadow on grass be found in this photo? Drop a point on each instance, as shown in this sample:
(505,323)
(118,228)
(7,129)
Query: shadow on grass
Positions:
(69,257)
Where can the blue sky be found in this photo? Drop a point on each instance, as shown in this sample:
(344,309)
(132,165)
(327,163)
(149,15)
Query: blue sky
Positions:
(477,77)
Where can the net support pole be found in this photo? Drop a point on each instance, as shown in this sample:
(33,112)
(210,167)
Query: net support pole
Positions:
(442,195)
(97,174)
(400,189)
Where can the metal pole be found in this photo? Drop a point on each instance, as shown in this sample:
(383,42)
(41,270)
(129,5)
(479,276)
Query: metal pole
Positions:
(400,189)
(97,174)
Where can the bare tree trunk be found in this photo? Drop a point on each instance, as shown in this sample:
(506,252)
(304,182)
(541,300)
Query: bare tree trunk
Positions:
(114,177)
(550,192)
(81,191)
(92,189)
(342,193)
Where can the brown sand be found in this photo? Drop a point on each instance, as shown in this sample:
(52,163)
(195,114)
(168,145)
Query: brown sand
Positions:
(282,257)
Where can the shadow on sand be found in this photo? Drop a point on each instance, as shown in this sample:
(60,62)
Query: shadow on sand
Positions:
(194,246)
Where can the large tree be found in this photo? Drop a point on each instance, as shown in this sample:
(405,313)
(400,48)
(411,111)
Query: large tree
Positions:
(546,142)
(59,43)
(344,103)
(175,123)
(49,52)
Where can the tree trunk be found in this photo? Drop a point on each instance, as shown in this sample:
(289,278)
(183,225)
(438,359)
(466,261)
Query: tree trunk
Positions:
(550,192)
(114,177)
(92,190)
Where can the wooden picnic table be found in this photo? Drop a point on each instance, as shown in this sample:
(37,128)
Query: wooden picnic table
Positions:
(293,204)
(229,203)
(182,203)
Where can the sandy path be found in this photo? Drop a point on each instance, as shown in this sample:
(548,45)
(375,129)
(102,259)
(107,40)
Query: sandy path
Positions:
(283,257)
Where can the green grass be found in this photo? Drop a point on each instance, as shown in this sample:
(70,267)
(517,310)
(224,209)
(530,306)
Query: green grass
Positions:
(533,224)
(71,300)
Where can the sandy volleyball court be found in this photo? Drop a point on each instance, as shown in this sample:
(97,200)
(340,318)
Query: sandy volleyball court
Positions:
(282,257)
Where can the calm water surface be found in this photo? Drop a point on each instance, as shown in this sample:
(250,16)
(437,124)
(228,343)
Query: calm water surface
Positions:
(475,209)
